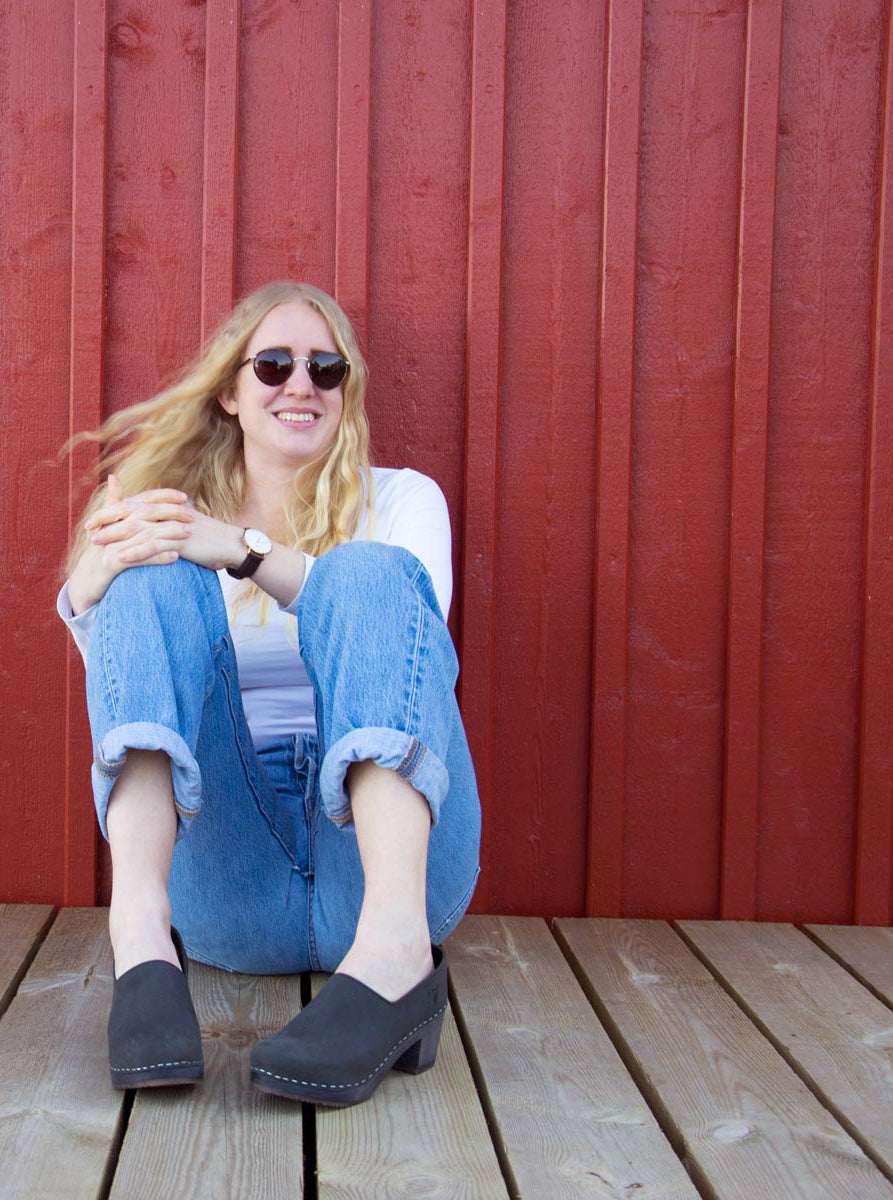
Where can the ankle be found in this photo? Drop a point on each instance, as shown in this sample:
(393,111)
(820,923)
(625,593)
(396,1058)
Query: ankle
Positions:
(143,920)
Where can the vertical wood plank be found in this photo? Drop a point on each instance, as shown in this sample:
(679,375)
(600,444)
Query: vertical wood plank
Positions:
(614,417)
(482,376)
(87,332)
(221,134)
(756,240)
(874,814)
(354,170)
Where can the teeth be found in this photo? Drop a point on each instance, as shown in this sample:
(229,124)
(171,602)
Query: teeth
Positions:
(305,417)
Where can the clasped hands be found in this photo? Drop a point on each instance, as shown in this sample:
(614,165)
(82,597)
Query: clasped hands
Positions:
(158,527)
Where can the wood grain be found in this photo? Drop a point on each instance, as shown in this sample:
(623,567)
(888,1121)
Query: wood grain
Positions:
(419,1135)
(568,1118)
(22,928)
(59,1114)
(222,1138)
(834,1033)
(746,1124)
(866,950)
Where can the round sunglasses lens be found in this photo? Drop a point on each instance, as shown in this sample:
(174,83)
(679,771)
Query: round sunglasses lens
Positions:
(327,370)
(273,367)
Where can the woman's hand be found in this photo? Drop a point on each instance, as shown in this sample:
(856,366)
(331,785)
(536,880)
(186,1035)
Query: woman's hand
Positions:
(158,527)
(150,527)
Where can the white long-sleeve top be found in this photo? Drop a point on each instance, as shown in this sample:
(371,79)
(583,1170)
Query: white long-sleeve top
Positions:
(410,510)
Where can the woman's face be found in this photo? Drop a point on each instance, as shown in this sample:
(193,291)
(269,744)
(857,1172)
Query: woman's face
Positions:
(270,440)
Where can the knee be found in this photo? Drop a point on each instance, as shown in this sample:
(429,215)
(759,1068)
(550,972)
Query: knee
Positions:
(160,578)
(175,586)
(371,572)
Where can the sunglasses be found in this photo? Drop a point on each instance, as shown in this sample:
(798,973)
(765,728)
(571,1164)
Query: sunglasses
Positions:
(274,366)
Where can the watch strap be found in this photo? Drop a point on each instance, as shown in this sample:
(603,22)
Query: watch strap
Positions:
(248,567)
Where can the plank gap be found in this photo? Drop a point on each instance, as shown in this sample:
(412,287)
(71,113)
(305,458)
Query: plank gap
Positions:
(480,1083)
(847,966)
(801,1072)
(115,1146)
(308,1116)
(9,992)
(661,1113)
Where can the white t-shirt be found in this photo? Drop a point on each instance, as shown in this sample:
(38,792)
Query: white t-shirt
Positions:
(410,510)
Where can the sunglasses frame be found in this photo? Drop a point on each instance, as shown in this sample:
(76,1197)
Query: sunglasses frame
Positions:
(295,359)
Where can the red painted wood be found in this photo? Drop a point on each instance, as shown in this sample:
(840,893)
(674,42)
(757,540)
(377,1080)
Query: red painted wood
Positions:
(614,416)
(36,88)
(874,825)
(288,143)
(353,184)
(85,405)
(482,376)
(688,216)
(663,438)
(820,382)
(547,456)
(156,81)
(750,418)
(221,138)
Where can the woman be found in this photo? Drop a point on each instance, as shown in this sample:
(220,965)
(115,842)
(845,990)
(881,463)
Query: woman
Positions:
(284,786)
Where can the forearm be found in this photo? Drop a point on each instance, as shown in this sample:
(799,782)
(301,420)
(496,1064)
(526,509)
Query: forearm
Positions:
(89,582)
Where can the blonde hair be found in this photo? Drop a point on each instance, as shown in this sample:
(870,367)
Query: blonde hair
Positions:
(184,439)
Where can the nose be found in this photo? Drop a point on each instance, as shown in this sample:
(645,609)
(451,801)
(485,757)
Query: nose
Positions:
(299,382)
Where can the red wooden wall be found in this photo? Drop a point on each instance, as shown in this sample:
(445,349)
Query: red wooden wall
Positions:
(624,274)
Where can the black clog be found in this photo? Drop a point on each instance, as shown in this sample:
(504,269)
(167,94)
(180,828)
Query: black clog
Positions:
(154,1036)
(338,1049)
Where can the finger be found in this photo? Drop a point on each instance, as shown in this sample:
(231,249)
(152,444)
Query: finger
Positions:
(124,531)
(160,494)
(141,552)
(112,513)
(113,488)
(167,556)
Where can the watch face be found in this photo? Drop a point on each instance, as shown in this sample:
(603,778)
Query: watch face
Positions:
(258,541)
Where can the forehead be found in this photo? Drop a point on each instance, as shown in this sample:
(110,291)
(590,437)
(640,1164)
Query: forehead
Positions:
(296,325)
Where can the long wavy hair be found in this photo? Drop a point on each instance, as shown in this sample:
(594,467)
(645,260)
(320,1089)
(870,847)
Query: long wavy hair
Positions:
(183,438)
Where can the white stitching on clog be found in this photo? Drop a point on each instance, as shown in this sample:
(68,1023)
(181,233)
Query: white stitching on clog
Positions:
(315,1083)
(182,1062)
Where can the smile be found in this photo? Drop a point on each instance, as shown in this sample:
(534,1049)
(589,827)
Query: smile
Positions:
(290,418)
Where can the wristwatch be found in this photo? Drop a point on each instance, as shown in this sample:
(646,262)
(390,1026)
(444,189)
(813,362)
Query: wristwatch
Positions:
(258,546)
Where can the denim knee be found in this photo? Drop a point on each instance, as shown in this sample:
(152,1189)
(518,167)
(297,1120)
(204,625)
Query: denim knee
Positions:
(383,669)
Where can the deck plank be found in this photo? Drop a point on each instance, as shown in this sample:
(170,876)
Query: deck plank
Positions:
(835,1033)
(866,949)
(747,1125)
(58,1111)
(569,1117)
(21,928)
(221,1138)
(419,1135)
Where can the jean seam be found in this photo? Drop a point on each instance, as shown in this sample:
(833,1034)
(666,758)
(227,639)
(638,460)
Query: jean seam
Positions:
(248,779)
(464,901)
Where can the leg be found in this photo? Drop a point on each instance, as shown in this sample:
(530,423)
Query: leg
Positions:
(399,835)
(391,951)
(142,825)
(397,830)
(199,834)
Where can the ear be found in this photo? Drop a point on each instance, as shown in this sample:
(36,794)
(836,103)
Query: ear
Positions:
(228,401)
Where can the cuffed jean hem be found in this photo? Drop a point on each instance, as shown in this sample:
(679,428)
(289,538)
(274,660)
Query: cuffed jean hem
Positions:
(111,754)
(400,752)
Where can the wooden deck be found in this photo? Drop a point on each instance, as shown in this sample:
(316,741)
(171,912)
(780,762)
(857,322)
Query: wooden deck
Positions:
(601,1058)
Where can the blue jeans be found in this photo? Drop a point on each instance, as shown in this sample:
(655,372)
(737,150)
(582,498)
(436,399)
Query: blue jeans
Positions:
(266,876)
